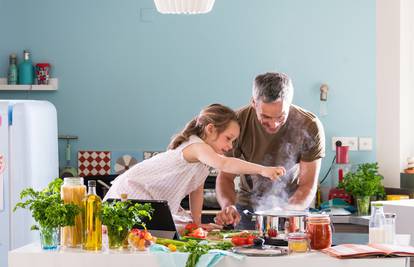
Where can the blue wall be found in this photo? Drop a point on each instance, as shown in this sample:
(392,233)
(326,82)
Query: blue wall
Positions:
(129,77)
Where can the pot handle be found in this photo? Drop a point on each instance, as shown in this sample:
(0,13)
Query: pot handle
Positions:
(248,213)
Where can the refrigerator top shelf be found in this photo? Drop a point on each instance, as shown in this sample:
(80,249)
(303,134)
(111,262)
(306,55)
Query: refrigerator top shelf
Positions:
(52,86)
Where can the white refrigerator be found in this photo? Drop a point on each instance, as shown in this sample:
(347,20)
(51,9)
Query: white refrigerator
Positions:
(29,155)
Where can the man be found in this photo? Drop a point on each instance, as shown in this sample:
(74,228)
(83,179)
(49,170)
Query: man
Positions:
(274,132)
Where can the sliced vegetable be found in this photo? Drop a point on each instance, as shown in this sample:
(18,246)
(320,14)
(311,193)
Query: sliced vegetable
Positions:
(198,233)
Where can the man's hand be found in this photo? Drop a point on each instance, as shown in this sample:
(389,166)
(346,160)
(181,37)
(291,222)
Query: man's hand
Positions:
(229,215)
(273,173)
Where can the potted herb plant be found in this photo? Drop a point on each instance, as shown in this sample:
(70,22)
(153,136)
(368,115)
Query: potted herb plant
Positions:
(49,212)
(119,218)
(364,184)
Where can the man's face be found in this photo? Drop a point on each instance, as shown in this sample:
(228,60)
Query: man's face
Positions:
(272,115)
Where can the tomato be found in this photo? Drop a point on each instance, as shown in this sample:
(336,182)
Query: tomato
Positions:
(238,241)
(272,232)
(142,234)
(135,231)
(198,233)
(191,227)
(249,240)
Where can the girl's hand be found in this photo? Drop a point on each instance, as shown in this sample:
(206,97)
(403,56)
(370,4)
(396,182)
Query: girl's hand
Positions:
(273,173)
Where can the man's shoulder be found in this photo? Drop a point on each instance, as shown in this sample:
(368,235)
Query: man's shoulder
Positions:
(245,112)
(301,113)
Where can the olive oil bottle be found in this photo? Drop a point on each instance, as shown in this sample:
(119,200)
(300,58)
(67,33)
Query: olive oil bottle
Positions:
(92,205)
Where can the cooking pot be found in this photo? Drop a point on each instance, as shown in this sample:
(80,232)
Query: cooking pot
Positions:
(277,224)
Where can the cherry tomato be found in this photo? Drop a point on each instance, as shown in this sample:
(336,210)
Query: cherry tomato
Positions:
(198,233)
(272,232)
(249,240)
(238,241)
(135,231)
(191,226)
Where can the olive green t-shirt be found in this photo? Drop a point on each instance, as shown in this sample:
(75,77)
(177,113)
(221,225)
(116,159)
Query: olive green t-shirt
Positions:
(301,138)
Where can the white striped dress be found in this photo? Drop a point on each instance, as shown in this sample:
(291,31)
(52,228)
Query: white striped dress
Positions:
(166,176)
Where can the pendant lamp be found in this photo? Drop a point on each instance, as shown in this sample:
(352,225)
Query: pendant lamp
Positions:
(184,6)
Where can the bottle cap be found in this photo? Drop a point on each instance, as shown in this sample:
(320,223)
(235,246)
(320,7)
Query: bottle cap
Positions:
(92,183)
(377,204)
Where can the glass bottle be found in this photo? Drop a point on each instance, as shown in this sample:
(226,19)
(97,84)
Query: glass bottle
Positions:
(125,243)
(73,191)
(26,70)
(389,228)
(12,72)
(92,206)
(376,224)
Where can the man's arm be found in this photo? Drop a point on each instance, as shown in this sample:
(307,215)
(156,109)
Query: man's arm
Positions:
(308,180)
(226,197)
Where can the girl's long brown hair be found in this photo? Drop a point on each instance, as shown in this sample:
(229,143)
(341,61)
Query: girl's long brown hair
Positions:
(218,115)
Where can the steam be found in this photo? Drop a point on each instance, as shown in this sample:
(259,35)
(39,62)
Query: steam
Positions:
(274,195)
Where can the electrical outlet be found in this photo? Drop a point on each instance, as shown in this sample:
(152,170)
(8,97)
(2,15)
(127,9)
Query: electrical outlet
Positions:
(365,143)
(352,142)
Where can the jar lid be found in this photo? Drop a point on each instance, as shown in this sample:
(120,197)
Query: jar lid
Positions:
(297,236)
(73,180)
(43,65)
(319,218)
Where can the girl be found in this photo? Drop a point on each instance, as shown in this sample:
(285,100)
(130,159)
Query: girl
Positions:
(183,168)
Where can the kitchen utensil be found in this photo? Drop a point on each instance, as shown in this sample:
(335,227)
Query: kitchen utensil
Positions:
(260,251)
(280,221)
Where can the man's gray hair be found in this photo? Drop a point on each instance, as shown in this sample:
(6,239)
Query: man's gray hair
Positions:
(272,86)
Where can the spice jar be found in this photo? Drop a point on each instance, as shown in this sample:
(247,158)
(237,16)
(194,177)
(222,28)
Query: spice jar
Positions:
(298,242)
(319,231)
(73,191)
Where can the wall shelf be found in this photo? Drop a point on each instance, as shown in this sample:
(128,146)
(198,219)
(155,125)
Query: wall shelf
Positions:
(52,86)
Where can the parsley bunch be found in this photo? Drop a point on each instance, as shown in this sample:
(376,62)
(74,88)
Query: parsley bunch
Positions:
(366,181)
(123,215)
(47,208)
(196,250)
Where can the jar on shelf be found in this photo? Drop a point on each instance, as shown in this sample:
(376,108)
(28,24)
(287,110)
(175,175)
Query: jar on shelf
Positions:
(73,191)
(298,242)
(319,231)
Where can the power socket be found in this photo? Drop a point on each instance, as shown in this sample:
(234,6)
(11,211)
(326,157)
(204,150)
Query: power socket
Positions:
(352,142)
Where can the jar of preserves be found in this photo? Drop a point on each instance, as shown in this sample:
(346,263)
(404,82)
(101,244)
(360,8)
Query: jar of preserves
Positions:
(73,191)
(319,231)
(298,242)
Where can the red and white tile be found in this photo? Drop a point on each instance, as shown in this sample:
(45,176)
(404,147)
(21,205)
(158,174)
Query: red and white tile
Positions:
(92,163)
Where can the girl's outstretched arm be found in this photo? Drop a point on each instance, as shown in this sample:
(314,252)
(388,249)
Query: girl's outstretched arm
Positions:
(205,154)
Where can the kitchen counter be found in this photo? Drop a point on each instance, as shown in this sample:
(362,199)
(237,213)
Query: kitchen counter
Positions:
(351,219)
(33,255)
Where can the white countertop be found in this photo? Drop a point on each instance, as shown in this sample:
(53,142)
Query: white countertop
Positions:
(33,255)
